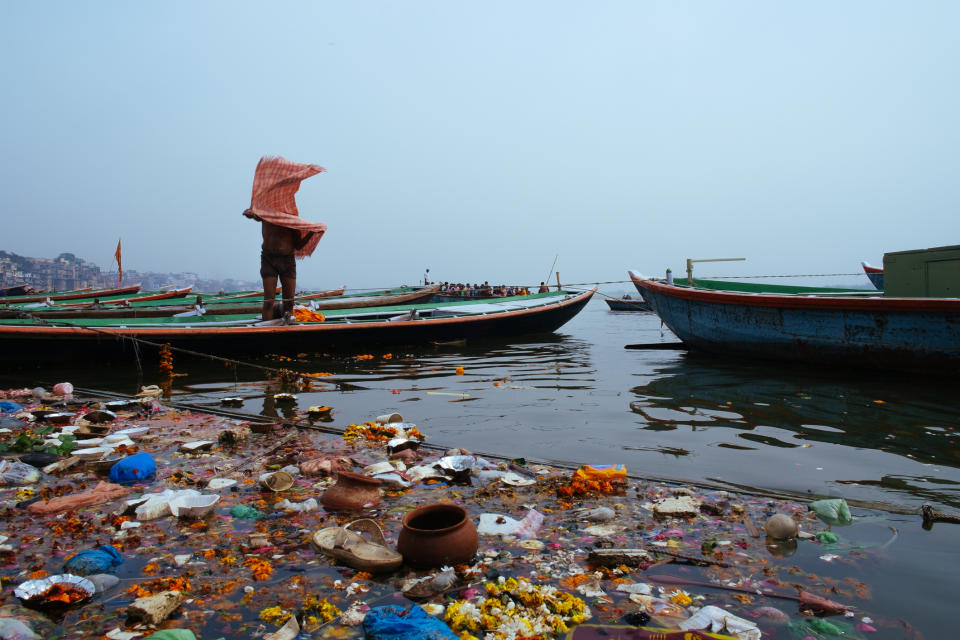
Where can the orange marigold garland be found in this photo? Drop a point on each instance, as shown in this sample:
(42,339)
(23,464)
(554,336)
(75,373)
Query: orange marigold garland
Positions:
(166,362)
(593,480)
(373,432)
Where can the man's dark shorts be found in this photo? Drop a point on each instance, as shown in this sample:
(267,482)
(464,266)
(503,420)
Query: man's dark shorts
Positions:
(282,265)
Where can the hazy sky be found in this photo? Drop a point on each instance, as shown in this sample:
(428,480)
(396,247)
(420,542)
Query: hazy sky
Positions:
(482,139)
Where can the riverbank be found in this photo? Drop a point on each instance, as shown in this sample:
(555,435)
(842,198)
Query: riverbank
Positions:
(248,566)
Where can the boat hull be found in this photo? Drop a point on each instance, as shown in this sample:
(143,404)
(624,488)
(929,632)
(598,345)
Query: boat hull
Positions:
(67,342)
(627,305)
(903,334)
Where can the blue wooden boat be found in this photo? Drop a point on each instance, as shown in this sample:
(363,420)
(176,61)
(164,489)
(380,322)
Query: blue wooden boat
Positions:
(875,274)
(906,334)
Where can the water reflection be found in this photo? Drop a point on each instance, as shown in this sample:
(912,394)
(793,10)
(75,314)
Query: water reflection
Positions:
(747,407)
(907,420)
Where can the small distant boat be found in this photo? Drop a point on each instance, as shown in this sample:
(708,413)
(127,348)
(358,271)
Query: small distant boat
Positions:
(875,274)
(905,334)
(75,294)
(17,290)
(626,303)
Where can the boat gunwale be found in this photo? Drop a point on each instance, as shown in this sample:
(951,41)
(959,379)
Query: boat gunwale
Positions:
(809,302)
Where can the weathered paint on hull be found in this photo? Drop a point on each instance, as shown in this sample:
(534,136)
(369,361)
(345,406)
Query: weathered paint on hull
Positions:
(846,332)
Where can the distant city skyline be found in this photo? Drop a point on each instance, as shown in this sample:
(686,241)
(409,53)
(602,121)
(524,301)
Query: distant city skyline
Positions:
(484,141)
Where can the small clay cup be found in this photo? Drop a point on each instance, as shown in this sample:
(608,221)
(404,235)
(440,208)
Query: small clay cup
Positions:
(437,535)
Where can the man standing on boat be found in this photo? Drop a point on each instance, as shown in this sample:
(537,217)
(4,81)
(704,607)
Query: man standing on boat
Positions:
(286,237)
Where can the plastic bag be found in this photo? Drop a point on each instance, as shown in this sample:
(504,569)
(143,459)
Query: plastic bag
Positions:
(173,634)
(9,407)
(11,629)
(718,619)
(393,622)
(103,559)
(15,472)
(140,466)
(833,511)
(243,512)
(494,524)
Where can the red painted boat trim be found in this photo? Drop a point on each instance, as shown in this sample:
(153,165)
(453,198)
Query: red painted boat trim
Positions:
(173,293)
(832,303)
(868,269)
(73,295)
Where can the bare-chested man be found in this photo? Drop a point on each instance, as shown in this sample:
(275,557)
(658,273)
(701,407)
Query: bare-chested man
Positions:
(277,261)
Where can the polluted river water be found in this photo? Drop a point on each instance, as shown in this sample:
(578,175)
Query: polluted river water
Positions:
(884,442)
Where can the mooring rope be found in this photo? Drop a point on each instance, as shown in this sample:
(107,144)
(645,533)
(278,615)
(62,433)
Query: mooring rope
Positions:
(136,341)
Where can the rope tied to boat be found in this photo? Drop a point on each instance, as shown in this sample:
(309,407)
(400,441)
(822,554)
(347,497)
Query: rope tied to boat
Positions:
(136,341)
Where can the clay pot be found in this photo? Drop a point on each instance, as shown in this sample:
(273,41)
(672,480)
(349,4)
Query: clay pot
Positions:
(436,535)
(352,491)
(780,526)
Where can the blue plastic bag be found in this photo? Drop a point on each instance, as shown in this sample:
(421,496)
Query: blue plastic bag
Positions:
(139,466)
(103,559)
(9,407)
(393,622)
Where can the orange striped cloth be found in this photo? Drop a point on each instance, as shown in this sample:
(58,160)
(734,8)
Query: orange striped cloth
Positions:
(275,184)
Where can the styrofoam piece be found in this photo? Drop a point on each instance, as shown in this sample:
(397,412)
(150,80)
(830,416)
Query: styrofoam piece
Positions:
(215,484)
(193,506)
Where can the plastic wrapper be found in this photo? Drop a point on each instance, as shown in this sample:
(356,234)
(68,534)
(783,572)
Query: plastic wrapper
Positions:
(13,472)
(717,619)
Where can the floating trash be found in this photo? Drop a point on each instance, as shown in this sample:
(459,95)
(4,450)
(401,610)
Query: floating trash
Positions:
(55,593)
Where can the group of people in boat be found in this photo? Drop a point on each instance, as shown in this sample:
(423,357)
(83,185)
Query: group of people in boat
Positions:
(485,290)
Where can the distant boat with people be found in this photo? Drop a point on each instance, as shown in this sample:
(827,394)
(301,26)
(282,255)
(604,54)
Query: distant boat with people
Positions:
(627,303)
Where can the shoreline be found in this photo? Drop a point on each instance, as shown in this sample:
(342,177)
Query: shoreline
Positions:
(215,557)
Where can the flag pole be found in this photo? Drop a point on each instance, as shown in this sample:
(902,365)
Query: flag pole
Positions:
(116,255)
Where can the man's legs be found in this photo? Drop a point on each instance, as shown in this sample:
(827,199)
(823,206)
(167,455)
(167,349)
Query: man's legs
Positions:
(288,290)
(269,295)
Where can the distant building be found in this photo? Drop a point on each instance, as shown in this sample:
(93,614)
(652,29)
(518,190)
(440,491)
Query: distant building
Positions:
(67,271)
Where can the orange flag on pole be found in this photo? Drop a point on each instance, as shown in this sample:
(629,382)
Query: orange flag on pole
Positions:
(119,263)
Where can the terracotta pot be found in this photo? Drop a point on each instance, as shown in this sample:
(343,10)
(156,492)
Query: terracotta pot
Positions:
(353,491)
(436,535)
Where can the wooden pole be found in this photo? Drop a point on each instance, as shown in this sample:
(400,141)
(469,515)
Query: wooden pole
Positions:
(558,281)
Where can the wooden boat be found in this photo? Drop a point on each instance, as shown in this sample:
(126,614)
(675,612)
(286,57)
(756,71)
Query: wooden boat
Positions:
(122,301)
(627,303)
(875,274)
(306,296)
(227,305)
(75,294)
(17,290)
(906,334)
(369,327)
